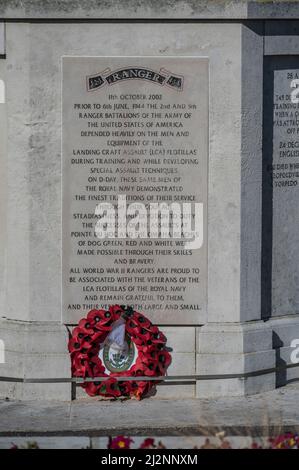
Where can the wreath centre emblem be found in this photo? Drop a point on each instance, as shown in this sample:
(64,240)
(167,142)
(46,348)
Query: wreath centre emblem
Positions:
(118,360)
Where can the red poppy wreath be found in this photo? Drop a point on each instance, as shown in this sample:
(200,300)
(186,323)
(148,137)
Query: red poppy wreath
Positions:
(145,353)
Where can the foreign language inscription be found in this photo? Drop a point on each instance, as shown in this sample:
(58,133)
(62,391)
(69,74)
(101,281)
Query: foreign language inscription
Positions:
(135,136)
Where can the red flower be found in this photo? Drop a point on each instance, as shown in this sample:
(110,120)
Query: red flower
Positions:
(254,445)
(75,346)
(148,443)
(120,442)
(285,441)
(102,319)
(85,326)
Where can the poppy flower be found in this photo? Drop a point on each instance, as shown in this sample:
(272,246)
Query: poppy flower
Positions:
(126,388)
(98,370)
(116,310)
(101,318)
(152,368)
(142,336)
(141,320)
(78,364)
(110,388)
(157,336)
(91,388)
(78,334)
(99,337)
(85,326)
(164,358)
(125,373)
(142,390)
(75,346)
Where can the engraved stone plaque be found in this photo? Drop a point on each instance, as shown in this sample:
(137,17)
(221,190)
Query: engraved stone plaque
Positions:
(135,137)
(281,186)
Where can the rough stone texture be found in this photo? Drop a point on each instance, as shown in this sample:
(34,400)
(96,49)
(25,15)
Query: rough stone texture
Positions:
(224,348)
(3,183)
(224,363)
(281,39)
(265,414)
(33,207)
(284,331)
(35,350)
(171,442)
(225,338)
(251,171)
(73,442)
(31,273)
(172,9)
(225,342)
(2,38)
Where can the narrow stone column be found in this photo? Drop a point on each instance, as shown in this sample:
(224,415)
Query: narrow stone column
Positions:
(34,337)
(235,338)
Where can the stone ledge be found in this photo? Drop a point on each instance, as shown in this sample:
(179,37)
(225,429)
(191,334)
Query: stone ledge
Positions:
(149,9)
(260,415)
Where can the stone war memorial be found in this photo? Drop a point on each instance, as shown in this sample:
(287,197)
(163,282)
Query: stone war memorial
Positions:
(149,180)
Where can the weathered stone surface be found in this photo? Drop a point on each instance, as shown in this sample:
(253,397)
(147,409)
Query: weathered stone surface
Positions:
(35,350)
(281,39)
(263,414)
(2,38)
(134,9)
(73,442)
(34,172)
(34,151)
(31,234)
(170,442)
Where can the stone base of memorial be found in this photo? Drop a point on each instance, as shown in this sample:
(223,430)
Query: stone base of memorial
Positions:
(35,350)
(226,349)
(244,313)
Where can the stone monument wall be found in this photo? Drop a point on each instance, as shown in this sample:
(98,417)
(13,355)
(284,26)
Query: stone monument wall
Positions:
(238,310)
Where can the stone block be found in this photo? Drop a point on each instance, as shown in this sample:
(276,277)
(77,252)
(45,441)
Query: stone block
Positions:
(2,39)
(34,351)
(180,338)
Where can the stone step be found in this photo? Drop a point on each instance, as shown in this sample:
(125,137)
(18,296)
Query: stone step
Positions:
(265,414)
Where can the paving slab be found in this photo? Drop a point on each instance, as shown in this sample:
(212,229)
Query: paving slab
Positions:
(258,415)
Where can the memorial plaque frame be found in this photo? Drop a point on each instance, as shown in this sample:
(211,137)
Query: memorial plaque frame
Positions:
(181,85)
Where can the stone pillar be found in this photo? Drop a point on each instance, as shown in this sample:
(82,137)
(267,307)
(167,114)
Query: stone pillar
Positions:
(235,339)
(30,325)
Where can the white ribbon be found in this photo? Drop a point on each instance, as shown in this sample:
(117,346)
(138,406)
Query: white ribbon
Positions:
(116,337)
